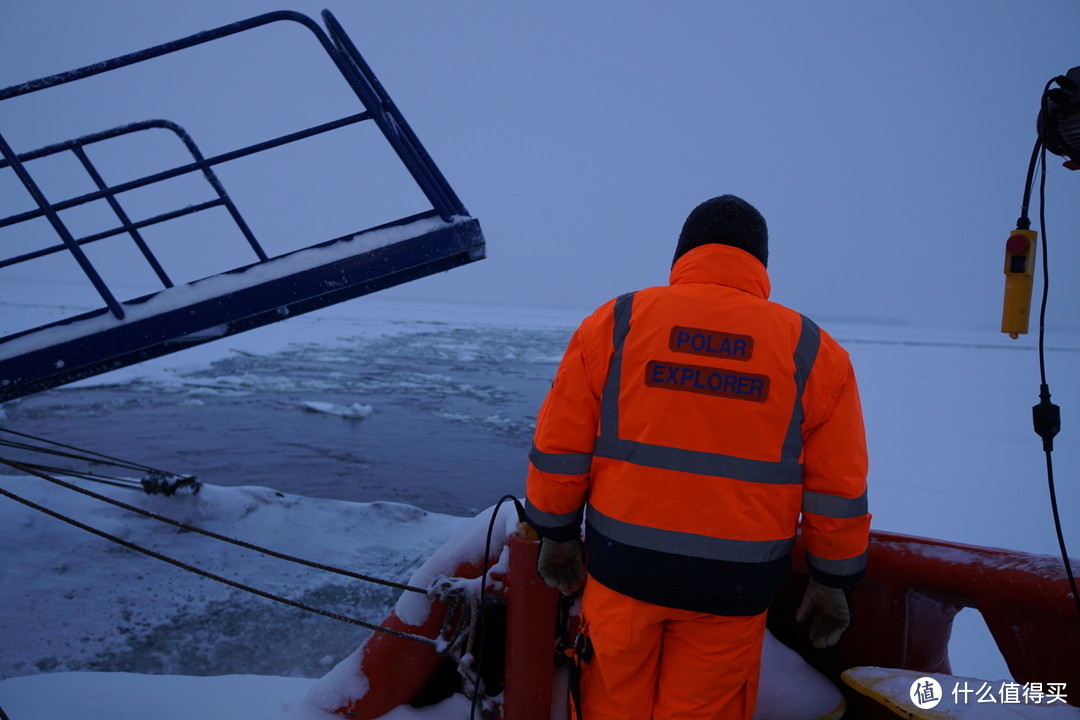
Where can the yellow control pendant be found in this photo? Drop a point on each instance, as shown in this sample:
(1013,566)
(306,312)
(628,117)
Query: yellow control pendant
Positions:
(1019,277)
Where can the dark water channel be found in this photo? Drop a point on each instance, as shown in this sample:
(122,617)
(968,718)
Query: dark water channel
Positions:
(452,413)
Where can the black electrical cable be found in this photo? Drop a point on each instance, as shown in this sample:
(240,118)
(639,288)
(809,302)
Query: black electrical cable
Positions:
(1046,273)
(1047,416)
(3,715)
(479,659)
(1023,223)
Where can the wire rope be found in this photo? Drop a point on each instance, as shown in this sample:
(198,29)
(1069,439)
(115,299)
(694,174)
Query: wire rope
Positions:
(208,533)
(213,576)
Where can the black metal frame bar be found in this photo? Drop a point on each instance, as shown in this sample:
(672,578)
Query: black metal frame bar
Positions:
(125,221)
(29,365)
(200,163)
(78,146)
(58,225)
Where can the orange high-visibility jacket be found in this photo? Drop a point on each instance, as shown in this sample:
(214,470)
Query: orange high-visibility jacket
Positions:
(698,422)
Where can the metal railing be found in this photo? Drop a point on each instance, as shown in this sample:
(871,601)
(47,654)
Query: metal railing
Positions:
(76,347)
(378,107)
(111,194)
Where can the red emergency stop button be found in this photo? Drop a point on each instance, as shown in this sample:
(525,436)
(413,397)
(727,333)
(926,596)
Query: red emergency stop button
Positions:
(1017,244)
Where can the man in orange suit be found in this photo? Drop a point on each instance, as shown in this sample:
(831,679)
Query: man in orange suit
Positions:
(697,427)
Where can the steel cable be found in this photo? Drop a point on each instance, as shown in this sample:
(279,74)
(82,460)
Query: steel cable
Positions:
(104,459)
(208,533)
(213,576)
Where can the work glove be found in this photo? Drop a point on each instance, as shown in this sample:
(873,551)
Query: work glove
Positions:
(562,564)
(827,610)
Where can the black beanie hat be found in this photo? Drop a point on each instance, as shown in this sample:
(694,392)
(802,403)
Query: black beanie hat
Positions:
(726,220)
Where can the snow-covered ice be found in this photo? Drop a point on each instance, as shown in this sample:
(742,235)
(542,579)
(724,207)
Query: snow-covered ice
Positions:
(127,598)
(356,411)
(952,456)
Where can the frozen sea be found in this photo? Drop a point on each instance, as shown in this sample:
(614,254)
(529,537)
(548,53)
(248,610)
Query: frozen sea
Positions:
(365,434)
(452,406)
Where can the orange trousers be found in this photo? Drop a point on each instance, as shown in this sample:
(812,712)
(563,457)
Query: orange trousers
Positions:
(657,663)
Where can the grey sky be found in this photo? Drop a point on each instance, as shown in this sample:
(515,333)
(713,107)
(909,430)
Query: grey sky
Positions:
(885,143)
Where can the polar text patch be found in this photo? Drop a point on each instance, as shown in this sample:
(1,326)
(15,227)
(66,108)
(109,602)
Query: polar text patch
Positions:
(711,343)
(707,380)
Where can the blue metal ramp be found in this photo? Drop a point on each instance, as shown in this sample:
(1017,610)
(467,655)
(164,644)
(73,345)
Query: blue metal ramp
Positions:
(267,286)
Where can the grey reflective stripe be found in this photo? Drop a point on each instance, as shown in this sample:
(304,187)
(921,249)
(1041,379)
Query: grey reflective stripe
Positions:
(609,399)
(833,506)
(688,544)
(702,463)
(560,463)
(551,520)
(805,353)
(847,566)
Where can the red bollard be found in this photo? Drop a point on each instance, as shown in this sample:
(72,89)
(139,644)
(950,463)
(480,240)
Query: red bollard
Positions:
(530,635)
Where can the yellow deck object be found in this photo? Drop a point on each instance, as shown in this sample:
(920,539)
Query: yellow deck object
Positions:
(960,698)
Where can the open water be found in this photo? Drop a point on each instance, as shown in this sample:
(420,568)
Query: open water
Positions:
(452,413)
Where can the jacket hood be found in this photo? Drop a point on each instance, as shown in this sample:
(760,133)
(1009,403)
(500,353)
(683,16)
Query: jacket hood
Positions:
(722,265)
